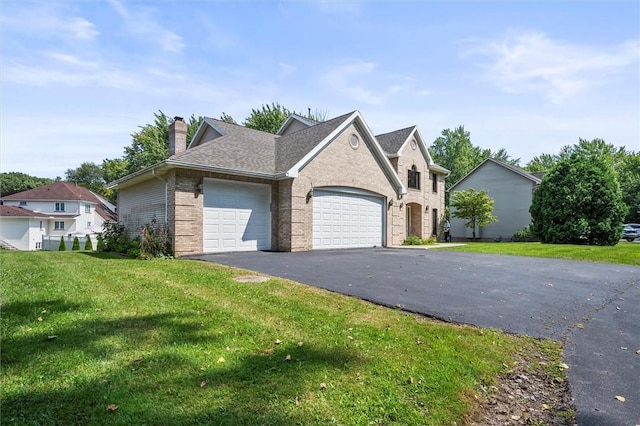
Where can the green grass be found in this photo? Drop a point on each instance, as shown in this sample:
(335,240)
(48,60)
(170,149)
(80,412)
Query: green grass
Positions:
(180,342)
(623,253)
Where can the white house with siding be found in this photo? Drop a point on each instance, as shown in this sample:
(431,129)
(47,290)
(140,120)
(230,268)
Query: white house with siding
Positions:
(61,209)
(511,189)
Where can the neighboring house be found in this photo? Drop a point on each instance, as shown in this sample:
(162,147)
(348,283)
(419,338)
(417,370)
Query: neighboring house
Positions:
(55,210)
(510,187)
(310,186)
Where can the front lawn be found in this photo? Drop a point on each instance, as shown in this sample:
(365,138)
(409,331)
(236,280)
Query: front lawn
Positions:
(98,339)
(623,253)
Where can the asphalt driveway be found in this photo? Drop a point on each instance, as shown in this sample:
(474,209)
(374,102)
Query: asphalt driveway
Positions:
(593,308)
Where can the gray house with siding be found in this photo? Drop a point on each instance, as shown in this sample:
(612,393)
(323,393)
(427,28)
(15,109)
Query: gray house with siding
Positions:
(510,187)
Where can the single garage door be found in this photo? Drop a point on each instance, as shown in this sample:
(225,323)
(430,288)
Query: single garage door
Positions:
(343,219)
(236,216)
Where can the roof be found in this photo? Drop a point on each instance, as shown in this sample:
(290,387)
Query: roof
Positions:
(64,191)
(238,150)
(518,170)
(57,191)
(14,211)
(296,117)
(392,142)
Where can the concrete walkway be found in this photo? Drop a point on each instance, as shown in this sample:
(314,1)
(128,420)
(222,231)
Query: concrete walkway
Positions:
(594,308)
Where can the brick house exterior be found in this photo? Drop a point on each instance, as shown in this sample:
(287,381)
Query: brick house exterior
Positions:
(311,186)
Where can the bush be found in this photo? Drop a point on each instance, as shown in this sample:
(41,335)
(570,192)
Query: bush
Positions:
(155,241)
(100,246)
(524,235)
(414,240)
(117,240)
(88,245)
(578,202)
(63,245)
(76,244)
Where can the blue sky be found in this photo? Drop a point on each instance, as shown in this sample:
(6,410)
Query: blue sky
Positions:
(78,77)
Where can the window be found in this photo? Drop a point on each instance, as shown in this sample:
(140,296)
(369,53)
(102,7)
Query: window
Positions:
(414,178)
(88,224)
(354,142)
(59,207)
(434,177)
(41,228)
(38,246)
(58,226)
(23,203)
(87,208)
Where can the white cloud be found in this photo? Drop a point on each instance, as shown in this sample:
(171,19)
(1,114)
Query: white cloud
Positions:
(50,21)
(349,81)
(286,69)
(141,22)
(71,60)
(530,62)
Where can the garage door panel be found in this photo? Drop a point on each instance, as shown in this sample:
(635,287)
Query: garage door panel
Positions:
(342,220)
(236,216)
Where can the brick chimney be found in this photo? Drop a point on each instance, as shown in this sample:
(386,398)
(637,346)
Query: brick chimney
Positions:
(177,136)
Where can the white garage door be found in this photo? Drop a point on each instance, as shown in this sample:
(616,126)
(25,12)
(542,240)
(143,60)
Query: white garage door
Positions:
(343,219)
(236,216)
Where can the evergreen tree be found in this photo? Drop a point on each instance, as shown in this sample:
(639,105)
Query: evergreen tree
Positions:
(579,202)
(88,246)
(76,244)
(63,245)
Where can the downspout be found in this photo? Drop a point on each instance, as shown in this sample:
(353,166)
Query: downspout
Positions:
(166,196)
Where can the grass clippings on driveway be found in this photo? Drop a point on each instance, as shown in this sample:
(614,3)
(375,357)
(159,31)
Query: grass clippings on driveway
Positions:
(98,339)
(623,253)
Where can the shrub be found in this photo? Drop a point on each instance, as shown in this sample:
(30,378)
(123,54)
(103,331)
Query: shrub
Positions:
(63,245)
(117,240)
(578,202)
(87,244)
(155,241)
(100,246)
(414,240)
(76,244)
(524,235)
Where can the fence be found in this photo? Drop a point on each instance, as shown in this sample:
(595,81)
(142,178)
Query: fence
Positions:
(53,243)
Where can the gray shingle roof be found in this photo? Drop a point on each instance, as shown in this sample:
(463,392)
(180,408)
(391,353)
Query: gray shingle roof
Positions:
(292,148)
(392,142)
(240,148)
(254,151)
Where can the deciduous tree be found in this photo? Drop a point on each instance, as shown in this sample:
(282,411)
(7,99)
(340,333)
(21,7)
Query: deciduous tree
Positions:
(474,206)
(454,151)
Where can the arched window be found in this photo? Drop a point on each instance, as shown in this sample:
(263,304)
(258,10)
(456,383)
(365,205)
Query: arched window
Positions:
(414,178)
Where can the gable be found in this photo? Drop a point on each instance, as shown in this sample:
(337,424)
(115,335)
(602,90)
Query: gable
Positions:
(339,164)
(367,138)
(491,169)
(294,123)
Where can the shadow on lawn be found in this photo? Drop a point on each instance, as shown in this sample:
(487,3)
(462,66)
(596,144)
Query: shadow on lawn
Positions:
(165,385)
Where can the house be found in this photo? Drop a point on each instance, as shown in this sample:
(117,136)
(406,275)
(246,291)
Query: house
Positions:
(55,210)
(312,185)
(510,187)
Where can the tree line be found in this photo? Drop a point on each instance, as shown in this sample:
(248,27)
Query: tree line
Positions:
(453,150)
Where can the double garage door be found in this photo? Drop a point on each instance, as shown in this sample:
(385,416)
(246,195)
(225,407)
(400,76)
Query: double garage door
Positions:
(236,217)
(344,219)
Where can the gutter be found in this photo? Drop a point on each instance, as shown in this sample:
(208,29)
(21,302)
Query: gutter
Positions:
(166,195)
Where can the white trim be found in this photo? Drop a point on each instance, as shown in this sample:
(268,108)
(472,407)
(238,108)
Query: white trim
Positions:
(356,119)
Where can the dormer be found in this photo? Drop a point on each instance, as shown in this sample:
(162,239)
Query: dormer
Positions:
(295,123)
